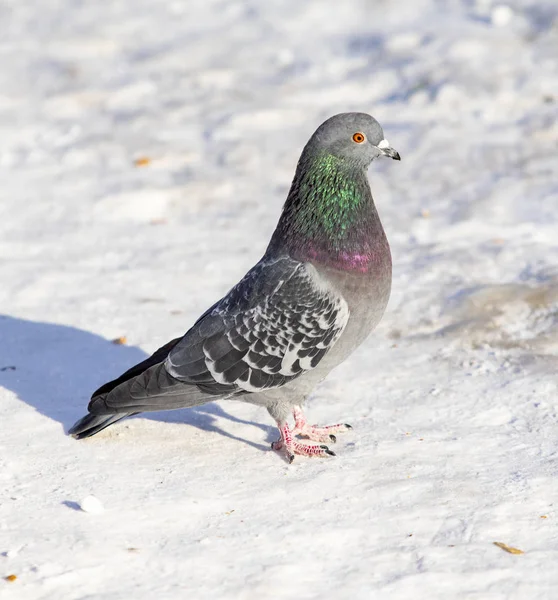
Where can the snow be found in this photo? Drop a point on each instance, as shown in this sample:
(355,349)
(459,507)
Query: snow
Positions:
(452,399)
(92,505)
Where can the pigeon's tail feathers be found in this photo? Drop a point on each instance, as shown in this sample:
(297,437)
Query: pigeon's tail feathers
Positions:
(157,357)
(152,390)
(92,424)
(104,410)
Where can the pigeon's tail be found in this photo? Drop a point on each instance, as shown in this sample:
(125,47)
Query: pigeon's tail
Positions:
(146,384)
(92,424)
(152,390)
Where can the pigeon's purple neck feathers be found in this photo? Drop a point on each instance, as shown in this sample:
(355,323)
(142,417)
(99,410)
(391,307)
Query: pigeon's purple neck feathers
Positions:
(329,217)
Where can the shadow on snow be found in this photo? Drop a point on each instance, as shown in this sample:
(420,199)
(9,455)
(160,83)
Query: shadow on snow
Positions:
(55,368)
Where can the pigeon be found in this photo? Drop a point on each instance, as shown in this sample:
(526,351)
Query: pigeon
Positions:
(319,290)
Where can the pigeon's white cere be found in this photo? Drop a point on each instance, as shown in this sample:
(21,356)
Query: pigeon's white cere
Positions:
(92,505)
(383,144)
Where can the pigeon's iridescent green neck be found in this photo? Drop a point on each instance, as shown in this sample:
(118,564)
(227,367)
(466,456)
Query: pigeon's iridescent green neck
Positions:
(329,216)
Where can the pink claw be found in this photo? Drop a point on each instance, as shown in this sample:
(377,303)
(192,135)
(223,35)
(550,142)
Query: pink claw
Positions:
(314,432)
(291,447)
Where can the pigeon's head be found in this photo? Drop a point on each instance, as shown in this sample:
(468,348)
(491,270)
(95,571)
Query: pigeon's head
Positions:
(354,137)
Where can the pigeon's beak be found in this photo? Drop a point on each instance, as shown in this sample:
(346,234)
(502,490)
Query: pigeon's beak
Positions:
(387,150)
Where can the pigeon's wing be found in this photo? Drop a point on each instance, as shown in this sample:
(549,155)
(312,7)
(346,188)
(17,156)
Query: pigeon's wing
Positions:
(278,322)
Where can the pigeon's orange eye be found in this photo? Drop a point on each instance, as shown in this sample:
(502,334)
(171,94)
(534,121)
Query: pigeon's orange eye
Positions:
(358,137)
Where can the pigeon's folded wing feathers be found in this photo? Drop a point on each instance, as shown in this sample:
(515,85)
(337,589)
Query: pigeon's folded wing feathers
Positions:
(278,322)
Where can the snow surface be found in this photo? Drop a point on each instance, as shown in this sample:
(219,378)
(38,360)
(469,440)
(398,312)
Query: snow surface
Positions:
(452,400)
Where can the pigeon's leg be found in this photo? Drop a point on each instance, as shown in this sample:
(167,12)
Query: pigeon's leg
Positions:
(291,446)
(313,432)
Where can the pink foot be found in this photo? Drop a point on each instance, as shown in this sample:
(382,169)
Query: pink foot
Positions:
(291,447)
(313,432)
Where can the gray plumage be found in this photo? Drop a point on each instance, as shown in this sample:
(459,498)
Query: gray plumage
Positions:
(319,290)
